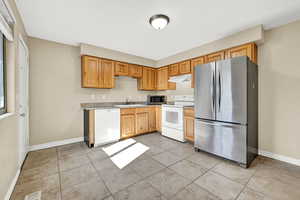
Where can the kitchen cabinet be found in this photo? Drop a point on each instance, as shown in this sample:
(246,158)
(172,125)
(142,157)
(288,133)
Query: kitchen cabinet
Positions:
(189,124)
(142,120)
(90,72)
(162,78)
(249,50)
(158,118)
(148,80)
(185,67)
(195,62)
(128,119)
(107,78)
(215,56)
(135,71)
(97,73)
(174,69)
(152,118)
(121,69)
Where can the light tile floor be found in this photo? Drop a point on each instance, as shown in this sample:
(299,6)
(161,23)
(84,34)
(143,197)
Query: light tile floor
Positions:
(169,170)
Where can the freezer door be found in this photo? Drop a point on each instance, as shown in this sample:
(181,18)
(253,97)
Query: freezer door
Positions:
(222,139)
(231,90)
(204,93)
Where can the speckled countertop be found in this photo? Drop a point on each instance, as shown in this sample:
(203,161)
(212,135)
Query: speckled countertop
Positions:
(109,105)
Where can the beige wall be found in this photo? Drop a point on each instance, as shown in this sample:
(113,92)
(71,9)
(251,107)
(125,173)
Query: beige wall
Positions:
(91,50)
(9,156)
(254,34)
(279,91)
(56,93)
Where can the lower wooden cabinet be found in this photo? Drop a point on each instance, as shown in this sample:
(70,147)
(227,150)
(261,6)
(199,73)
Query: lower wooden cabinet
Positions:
(128,128)
(135,121)
(158,118)
(142,121)
(152,118)
(189,124)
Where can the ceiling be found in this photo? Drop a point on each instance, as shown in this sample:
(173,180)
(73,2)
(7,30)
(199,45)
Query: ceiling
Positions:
(123,24)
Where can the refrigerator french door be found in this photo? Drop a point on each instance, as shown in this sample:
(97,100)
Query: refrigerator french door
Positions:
(222,93)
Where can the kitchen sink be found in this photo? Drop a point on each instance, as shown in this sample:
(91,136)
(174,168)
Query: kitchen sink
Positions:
(130,105)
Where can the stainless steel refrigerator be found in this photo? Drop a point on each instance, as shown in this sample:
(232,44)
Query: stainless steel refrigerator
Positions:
(226,109)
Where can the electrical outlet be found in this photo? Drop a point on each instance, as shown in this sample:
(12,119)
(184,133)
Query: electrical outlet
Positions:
(34,196)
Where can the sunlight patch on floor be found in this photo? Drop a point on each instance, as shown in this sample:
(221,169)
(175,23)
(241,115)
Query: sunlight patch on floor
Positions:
(128,155)
(119,146)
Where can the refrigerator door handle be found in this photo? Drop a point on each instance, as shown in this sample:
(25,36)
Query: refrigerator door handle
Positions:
(213,92)
(221,124)
(220,90)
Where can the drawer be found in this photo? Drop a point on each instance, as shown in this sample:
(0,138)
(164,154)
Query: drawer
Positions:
(141,110)
(126,111)
(189,112)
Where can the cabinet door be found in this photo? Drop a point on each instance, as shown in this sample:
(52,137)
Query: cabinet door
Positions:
(214,56)
(158,118)
(195,62)
(142,122)
(135,71)
(90,72)
(174,69)
(127,125)
(189,128)
(152,118)
(249,50)
(162,78)
(121,69)
(107,78)
(185,67)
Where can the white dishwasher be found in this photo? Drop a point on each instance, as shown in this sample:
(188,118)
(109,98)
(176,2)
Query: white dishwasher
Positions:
(107,125)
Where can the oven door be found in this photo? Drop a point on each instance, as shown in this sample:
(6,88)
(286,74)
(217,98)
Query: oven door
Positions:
(172,117)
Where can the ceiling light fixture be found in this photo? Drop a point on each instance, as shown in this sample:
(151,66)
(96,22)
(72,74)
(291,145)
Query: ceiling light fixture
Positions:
(159,21)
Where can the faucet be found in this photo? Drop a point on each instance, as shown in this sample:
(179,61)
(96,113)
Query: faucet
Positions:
(127,100)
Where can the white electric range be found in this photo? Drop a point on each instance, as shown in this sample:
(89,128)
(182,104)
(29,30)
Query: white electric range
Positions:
(172,117)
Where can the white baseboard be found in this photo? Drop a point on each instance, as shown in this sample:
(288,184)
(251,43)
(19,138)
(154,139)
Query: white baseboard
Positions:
(12,186)
(54,144)
(280,157)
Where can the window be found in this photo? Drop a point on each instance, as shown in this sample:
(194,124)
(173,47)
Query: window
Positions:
(2,76)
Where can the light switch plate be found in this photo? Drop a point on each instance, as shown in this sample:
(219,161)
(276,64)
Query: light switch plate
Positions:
(34,196)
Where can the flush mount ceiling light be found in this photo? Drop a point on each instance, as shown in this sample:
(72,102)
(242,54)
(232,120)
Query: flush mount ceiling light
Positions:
(159,21)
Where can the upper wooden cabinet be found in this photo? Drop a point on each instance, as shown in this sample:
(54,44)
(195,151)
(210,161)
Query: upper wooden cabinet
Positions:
(174,69)
(162,78)
(185,67)
(90,72)
(215,56)
(249,50)
(135,71)
(121,69)
(107,79)
(195,62)
(148,80)
(97,73)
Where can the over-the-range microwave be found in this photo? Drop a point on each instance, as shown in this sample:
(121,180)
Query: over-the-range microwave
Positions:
(156,99)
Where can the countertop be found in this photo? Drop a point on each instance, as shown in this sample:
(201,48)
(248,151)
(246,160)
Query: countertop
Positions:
(110,105)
